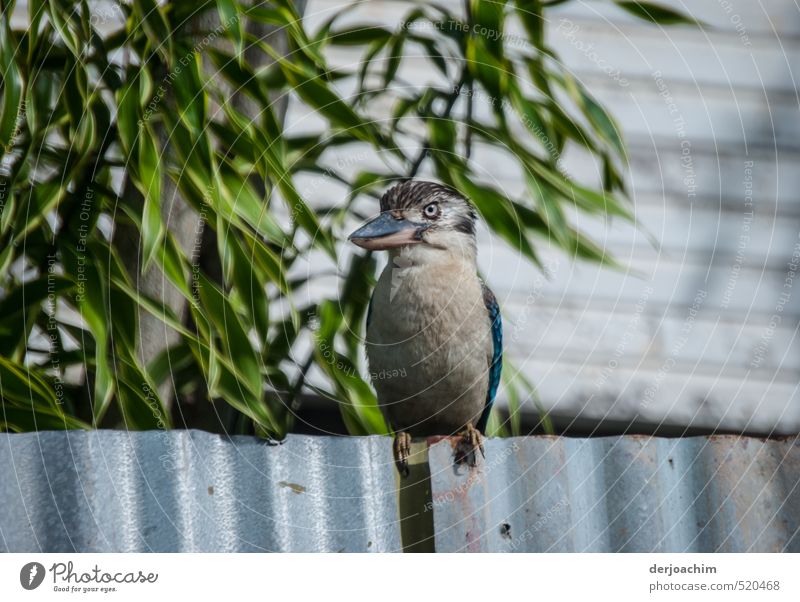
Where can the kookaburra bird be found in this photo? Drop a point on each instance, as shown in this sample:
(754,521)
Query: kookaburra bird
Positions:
(434,333)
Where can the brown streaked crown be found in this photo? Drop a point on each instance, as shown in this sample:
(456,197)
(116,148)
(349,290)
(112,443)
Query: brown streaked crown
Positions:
(416,194)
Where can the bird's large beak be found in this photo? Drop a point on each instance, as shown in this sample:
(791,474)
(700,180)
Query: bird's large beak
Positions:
(387,232)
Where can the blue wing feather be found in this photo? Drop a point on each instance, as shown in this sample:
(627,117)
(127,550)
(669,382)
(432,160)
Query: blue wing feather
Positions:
(496,366)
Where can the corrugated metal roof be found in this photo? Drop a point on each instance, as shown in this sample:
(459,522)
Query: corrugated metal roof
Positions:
(193,491)
(631,494)
(112,491)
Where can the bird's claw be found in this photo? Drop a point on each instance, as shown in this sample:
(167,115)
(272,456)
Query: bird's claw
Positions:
(402,451)
(470,441)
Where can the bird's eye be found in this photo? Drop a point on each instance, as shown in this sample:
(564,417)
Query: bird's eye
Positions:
(431,210)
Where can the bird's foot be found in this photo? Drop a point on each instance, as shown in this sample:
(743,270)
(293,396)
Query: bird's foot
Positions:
(402,450)
(468,445)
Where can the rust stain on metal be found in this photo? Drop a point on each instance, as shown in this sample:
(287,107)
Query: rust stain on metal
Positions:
(293,486)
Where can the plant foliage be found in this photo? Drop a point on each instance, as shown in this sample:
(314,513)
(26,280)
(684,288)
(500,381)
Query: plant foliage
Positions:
(98,130)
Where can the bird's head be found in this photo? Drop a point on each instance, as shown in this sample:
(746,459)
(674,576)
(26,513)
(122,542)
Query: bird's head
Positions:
(428,216)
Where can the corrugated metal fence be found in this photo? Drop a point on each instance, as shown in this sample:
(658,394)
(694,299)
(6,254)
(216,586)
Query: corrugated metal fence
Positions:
(192,491)
(627,494)
(110,491)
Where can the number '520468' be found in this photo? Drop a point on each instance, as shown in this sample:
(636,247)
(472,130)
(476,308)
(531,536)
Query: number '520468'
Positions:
(742,585)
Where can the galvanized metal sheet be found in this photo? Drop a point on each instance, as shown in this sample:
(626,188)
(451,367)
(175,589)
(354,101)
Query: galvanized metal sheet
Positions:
(631,494)
(112,491)
(193,491)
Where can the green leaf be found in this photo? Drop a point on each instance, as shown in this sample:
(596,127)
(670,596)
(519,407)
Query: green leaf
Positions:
(7,214)
(149,182)
(12,85)
(155,26)
(499,212)
(230,330)
(27,296)
(24,386)
(249,287)
(60,18)
(530,13)
(359,35)
(36,204)
(38,103)
(174,265)
(358,404)
(190,94)
(300,212)
(75,92)
(495,426)
(169,362)
(85,136)
(603,123)
(264,14)
(268,261)
(223,382)
(494,73)
(292,23)
(36,10)
(442,134)
(90,300)
(318,94)
(395,55)
(30,420)
(487,19)
(253,210)
(141,405)
(549,206)
(229,16)
(242,77)
(434,55)
(372,51)
(366,181)
(585,198)
(531,116)
(6,259)
(127,114)
(657,13)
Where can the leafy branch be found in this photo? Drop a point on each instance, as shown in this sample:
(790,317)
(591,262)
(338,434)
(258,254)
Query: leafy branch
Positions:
(117,171)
